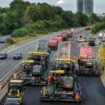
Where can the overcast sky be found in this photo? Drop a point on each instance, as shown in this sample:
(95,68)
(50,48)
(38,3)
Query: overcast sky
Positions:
(99,5)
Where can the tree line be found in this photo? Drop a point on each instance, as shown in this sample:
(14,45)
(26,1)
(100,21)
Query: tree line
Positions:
(24,18)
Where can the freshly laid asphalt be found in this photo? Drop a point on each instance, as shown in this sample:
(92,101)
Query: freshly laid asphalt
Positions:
(93,91)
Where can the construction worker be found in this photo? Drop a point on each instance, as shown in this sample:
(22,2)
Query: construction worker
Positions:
(49,79)
(44,91)
(80,62)
(14,77)
(77,94)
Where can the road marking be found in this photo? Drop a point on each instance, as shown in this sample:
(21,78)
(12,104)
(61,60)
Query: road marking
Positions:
(2,63)
(27,44)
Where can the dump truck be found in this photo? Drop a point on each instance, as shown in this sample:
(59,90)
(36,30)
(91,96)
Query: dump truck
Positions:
(63,35)
(43,46)
(88,27)
(53,42)
(70,32)
(63,60)
(33,74)
(86,62)
(15,92)
(61,87)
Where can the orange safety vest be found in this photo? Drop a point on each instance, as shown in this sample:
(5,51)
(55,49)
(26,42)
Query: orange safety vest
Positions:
(49,79)
(14,76)
(77,96)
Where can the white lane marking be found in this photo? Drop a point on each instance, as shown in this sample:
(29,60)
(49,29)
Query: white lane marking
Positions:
(2,63)
(26,49)
(10,71)
(26,44)
(13,69)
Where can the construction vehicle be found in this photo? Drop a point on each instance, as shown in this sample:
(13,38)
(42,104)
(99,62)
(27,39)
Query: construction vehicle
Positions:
(63,35)
(63,60)
(43,46)
(70,32)
(62,84)
(53,42)
(61,87)
(91,42)
(86,62)
(88,27)
(33,74)
(64,64)
(41,54)
(40,58)
(15,91)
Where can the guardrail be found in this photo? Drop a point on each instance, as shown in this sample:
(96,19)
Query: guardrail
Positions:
(4,81)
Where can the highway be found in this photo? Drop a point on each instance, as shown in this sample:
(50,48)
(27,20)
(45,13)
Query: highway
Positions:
(93,91)
(3,39)
(8,64)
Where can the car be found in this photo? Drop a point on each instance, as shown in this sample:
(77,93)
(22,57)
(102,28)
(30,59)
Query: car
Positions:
(91,42)
(82,38)
(2,41)
(3,55)
(101,35)
(18,55)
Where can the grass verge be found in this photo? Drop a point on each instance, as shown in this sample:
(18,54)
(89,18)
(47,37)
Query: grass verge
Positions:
(20,40)
(101,59)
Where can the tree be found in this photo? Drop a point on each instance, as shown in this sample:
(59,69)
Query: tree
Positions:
(68,17)
(94,18)
(18,6)
(46,10)
(82,18)
(33,12)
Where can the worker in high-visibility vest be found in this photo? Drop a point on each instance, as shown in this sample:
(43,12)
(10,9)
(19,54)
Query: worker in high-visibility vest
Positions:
(44,91)
(14,77)
(77,94)
(49,80)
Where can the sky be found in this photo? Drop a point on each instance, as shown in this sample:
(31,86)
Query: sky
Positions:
(99,5)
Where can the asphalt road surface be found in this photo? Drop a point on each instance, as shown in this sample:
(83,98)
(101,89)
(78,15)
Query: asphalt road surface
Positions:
(93,91)
(8,64)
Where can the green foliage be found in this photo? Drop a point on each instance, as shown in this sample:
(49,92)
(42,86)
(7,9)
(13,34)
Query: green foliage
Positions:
(94,18)
(97,27)
(23,18)
(82,19)
(40,27)
(10,41)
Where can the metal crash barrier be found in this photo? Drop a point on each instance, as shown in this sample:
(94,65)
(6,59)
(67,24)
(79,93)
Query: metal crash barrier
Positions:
(4,81)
